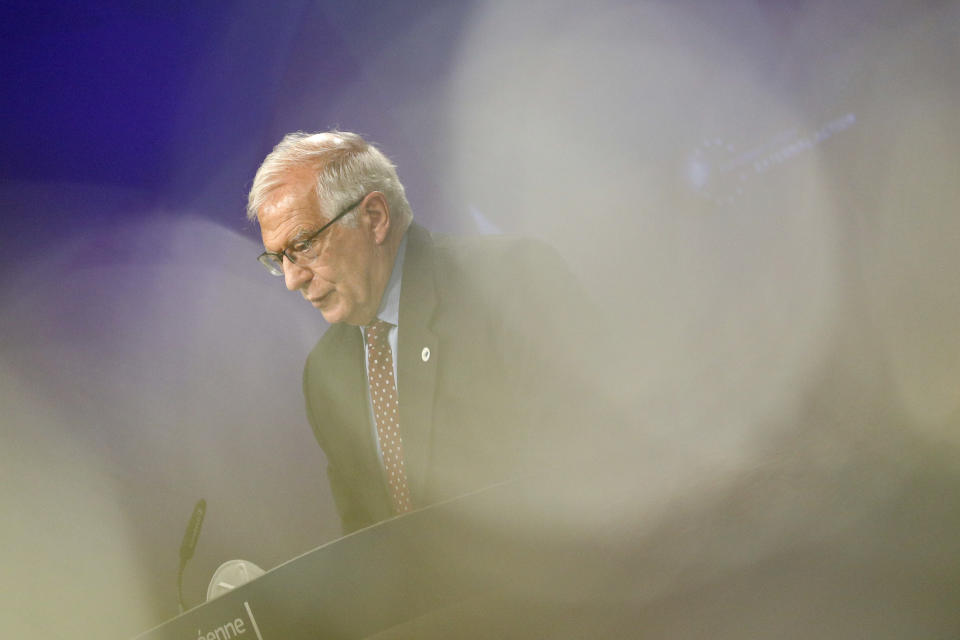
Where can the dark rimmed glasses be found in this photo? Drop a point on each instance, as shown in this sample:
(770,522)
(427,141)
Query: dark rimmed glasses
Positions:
(303,250)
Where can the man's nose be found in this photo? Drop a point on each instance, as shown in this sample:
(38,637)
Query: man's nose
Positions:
(294,275)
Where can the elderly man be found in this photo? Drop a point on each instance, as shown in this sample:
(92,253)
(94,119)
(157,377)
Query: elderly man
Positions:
(445,368)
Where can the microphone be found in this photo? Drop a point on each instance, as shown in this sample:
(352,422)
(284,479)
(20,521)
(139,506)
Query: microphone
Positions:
(189,545)
(192,534)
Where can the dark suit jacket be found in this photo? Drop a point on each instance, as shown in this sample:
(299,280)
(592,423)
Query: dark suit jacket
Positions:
(493,395)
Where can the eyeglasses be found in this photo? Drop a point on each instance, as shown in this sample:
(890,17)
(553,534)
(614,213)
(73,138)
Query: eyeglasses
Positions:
(303,249)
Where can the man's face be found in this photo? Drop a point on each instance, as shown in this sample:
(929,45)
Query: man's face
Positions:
(343,281)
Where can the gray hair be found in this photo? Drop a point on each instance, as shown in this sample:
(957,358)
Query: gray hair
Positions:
(345,165)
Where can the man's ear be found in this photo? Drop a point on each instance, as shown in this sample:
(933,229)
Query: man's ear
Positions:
(378,216)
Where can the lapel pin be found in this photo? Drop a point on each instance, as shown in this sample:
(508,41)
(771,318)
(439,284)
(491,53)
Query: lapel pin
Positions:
(425,354)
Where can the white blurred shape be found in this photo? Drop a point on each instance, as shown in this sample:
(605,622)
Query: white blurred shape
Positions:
(576,124)
(146,365)
(484,226)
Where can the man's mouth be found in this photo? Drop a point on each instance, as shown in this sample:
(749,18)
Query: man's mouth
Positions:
(318,300)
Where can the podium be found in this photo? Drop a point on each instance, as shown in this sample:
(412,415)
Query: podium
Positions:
(448,570)
(571,557)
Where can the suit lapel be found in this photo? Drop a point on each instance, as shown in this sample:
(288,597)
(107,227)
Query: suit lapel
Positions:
(347,380)
(418,354)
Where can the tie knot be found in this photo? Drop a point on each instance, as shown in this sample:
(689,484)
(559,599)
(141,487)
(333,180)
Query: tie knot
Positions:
(377,331)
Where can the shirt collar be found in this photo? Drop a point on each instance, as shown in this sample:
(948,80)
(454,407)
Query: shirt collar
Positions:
(389,310)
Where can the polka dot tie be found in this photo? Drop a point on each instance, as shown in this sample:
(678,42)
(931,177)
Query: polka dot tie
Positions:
(383,394)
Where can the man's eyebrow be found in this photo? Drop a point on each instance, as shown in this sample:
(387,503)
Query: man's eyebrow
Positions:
(302,232)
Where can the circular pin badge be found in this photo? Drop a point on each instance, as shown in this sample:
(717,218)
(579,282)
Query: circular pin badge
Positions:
(425,354)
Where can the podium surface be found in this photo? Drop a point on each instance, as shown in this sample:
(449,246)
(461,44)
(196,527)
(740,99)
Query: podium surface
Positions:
(514,561)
